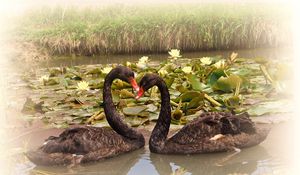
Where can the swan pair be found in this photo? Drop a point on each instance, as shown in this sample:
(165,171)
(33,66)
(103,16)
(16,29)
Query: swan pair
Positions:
(87,144)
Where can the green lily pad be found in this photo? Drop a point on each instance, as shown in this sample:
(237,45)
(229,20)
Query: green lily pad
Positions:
(124,93)
(227,84)
(195,102)
(188,96)
(116,96)
(30,107)
(136,121)
(195,82)
(169,81)
(52,81)
(181,88)
(151,107)
(214,76)
(135,110)
(232,102)
(55,72)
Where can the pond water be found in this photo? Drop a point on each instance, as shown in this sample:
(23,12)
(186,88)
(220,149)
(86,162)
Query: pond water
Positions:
(274,156)
(248,53)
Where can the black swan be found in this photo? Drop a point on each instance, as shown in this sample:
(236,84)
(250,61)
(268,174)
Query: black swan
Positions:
(198,136)
(86,143)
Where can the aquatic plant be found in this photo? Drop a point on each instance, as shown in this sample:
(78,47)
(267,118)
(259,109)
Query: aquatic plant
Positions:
(144,59)
(83,86)
(44,79)
(220,64)
(106,70)
(174,53)
(238,85)
(206,60)
(143,62)
(187,69)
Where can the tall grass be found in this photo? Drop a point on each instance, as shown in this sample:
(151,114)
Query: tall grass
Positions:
(140,29)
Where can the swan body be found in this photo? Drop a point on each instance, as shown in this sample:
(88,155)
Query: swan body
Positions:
(81,145)
(196,136)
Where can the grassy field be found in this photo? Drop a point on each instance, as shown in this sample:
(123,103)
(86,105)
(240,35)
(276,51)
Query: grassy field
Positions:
(142,29)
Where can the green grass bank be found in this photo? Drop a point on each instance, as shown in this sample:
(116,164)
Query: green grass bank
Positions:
(144,29)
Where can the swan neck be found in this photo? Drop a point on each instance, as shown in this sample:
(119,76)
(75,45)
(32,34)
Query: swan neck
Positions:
(112,115)
(161,129)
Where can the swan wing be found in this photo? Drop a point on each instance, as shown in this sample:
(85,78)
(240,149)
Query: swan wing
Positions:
(82,140)
(198,129)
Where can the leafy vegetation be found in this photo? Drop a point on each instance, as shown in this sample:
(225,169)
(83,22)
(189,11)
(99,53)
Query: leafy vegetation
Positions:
(73,95)
(140,29)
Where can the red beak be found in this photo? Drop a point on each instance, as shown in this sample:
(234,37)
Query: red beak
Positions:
(134,84)
(140,93)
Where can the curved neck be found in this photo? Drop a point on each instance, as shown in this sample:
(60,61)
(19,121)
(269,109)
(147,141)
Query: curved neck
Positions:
(161,129)
(112,115)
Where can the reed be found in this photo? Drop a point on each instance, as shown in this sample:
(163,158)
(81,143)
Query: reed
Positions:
(143,29)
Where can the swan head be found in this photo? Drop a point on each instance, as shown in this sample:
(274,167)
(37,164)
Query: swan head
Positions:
(127,75)
(148,81)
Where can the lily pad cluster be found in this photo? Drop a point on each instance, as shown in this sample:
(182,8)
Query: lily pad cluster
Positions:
(73,95)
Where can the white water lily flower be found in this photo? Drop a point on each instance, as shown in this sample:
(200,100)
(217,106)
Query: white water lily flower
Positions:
(44,78)
(141,65)
(187,69)
(106,70)
(143,59)
(128,63)
(206,60)
(83,86)
(143,62)
(162,72)
(220,64)
(174,53)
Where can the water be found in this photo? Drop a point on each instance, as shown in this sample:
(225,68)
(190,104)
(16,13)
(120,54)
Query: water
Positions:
(271,157)
(274,156)
(252,53)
